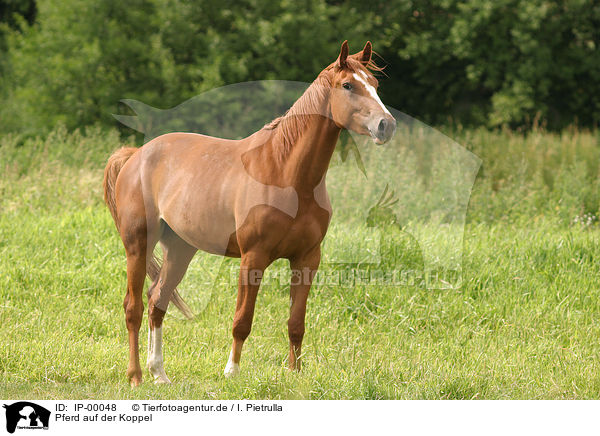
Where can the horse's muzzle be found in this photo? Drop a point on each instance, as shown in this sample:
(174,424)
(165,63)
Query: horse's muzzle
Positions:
(386,127)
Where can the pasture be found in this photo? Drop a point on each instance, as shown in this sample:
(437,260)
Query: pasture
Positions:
(524,324)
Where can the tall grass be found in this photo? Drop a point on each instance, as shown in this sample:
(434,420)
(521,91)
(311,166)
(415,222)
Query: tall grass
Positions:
(523,324)
(534,175)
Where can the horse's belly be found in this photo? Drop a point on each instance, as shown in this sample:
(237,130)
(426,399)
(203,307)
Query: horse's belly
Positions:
(212,237)
(205,226)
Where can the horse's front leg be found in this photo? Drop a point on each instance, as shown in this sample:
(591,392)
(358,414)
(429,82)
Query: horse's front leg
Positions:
(303,272)
(251,271)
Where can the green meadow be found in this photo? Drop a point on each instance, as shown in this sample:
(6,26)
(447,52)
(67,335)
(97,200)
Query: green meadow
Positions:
(524,324)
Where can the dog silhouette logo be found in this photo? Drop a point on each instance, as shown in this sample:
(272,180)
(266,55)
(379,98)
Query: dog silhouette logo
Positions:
(26,415)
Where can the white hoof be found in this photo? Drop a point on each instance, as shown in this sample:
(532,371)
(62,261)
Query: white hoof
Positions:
(231,369)
(162,380)
(157,370)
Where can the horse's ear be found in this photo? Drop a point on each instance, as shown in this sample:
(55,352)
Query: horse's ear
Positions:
(366,53)
(343,55)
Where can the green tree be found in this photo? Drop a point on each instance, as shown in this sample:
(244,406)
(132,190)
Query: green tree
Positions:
(478,62)
(76,62)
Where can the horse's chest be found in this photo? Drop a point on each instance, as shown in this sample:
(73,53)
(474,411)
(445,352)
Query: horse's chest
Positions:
(284,233)
(305,231)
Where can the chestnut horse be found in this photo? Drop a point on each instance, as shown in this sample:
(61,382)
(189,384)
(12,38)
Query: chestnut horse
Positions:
(260,198)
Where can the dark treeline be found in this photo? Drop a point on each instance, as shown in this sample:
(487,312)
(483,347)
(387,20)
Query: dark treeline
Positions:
(476,62)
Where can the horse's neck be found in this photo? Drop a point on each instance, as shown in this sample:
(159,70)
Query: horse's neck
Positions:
(306,163)
(305,138)
(300,143)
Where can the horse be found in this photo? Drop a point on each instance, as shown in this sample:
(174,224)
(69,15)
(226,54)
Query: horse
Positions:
(260,198)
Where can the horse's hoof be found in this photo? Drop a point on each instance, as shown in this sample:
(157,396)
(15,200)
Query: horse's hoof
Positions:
(231,370)
(135,382)
(162,380)
(157,370)
(231,374)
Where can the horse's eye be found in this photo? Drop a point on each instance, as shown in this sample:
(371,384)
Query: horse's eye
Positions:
(347,86)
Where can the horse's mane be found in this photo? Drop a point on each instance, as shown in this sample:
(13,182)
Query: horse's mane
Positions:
(288,127)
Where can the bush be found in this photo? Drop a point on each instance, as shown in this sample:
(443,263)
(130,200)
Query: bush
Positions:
(500,62)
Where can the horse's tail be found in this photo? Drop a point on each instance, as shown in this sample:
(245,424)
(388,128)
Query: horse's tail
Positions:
(153,272)
(111,172)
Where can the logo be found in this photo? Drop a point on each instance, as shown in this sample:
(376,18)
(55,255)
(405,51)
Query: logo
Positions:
(400,209)
(26,415)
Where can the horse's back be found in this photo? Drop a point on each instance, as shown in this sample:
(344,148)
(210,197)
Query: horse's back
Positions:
(183,146)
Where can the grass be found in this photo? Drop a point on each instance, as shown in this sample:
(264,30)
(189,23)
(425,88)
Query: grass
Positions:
(523,325)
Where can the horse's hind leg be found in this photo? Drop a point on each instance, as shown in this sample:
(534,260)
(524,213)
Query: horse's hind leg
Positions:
(133,305)
(139,234)
(177,255)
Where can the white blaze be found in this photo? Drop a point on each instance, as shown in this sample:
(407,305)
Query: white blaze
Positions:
(370,90)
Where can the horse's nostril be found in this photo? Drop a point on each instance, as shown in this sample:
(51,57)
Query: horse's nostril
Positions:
(381,126)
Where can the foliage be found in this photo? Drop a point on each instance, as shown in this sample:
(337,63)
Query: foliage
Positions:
(498,62)
(14,12)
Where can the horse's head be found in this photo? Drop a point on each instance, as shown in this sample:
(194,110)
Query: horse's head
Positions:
(354,103)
